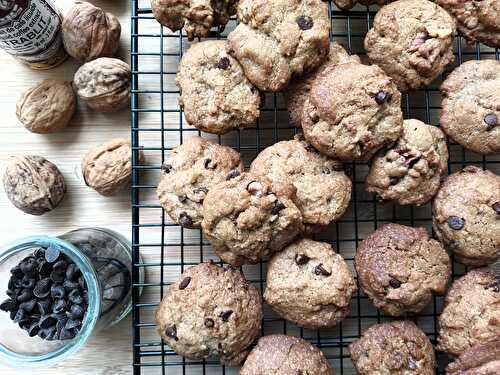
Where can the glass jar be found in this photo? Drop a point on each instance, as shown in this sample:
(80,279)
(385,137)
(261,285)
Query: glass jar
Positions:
(104,259)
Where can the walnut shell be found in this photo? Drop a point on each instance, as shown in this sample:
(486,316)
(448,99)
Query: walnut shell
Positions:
(89,32)
(46,107)
(108,167)
(33,184)
(104,84)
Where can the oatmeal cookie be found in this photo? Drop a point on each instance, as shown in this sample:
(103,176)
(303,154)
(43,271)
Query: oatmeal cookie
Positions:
(480,359)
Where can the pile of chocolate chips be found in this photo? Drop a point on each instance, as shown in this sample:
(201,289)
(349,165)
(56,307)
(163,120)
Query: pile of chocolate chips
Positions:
(47,295)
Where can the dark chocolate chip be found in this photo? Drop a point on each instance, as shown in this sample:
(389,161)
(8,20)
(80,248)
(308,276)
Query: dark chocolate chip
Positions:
(301,259)
(60,266)
(166,168)
(66,334)
(75,297)
(305,22)
(20,316)
(57,292)
(44,306)
(455,222)
(70,285)
(224,63)
(496,207)
(491,120)
(382,97)
(28,266)
(326,171)
(81,282)
(28,306)
(184,283)
(73,323)
(232,174)
(44,268)
(395,283)
(320,270)
(77,311)
(33,329)
(171,331)
(57,277)
(12,314)
(39,253)
(52,254)
(278,206)
(47,321)
(8,305)
(25,295)
(16,272)
(185,220)
(206,164)
(209,323)
(28,283)
(72,272)
(59,306)
(47,333)
(225,315)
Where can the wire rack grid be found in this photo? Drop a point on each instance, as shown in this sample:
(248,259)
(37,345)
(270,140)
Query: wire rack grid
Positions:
(167,249)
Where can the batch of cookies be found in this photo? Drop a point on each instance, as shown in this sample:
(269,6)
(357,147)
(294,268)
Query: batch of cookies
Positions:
(348,111)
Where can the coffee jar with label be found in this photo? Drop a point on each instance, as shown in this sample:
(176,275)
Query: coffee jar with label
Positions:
(30,30)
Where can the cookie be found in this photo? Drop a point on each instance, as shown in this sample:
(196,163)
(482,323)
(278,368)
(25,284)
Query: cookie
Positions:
(214,93)
(348,4)
(309,284)
(298,90)
(412,41)
(210,311)
(465,216)
(192,169)
(480,359)
(285,355)
(471,313)
(248,218)
(409,172)
(476,20)
(400,268)
(323,189)
(471,106)
(197,17)
(353,117)
(278,39)
(393,348)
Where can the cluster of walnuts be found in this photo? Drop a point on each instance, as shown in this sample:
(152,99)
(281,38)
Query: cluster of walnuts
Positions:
(91,36)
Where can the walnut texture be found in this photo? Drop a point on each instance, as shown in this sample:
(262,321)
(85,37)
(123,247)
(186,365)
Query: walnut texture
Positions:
(104,84)
(46,107)
(33,184)
(89,32)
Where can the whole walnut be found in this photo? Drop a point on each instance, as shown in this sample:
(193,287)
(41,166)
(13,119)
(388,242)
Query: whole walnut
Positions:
(89,32)
(108,167)
(46,107)
(104,84)
(33,184)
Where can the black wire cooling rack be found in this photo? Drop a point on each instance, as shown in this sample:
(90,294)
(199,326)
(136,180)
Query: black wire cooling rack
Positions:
(158,126)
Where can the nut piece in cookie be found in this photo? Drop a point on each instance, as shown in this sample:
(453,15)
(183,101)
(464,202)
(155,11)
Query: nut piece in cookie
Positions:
(397,347)
(187,176)
(480,359)
(210,311)
(108,167)
(298,91)
(471,313)
(353,117)
(309,284)
(197,17)
(215,94)
(33,184)
(476,20)
(471,106)
(247,218)
(278,39)
(412,41)
(323,188)
(47,107)
(89,32)
(465,216)
(104,84)
(285,355)
(400,268)
(409,172)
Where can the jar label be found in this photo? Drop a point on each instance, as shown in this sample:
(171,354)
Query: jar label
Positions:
(30,29)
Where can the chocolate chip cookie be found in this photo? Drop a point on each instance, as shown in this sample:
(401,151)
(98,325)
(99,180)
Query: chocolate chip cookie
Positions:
(477,20)
(214,92)
(480,359)
(410,171)
(393,348)
(400,268)
(192,170)
(309,284)
(210,311)
(471,106)
(323,189)
(412,41)
(348,4)
(285,355)
(247,218)
(297,92)
(466,214)
(197,17)
(471,313)
(278,39)
(353,117)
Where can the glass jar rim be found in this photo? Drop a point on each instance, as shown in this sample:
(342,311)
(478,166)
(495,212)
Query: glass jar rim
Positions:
(94,302)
